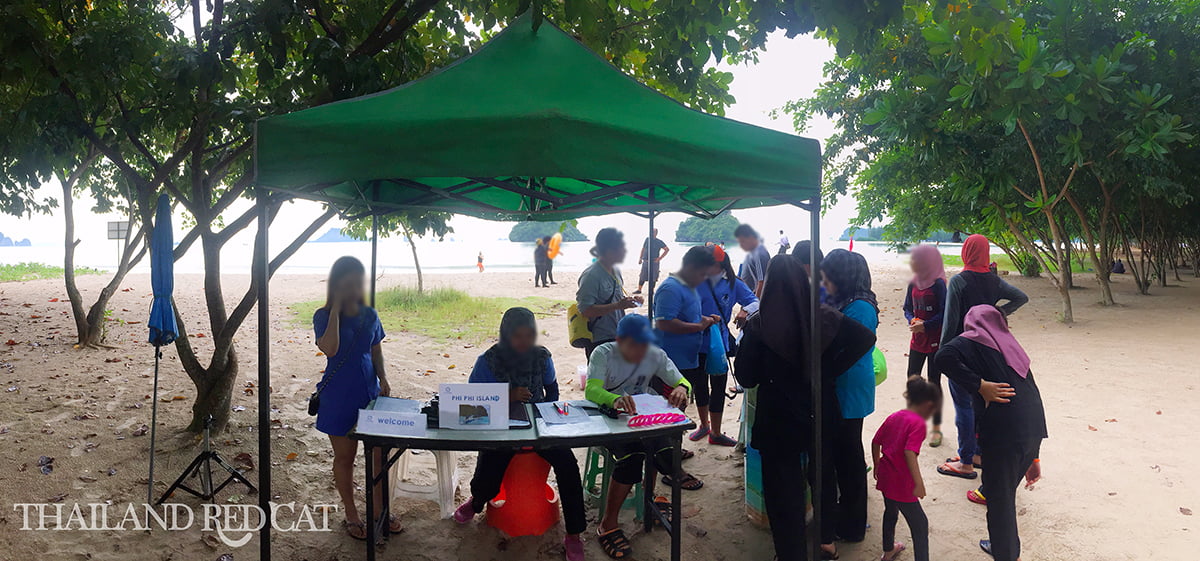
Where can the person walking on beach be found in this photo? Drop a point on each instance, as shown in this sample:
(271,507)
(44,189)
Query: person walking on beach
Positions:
(528,369)
(349,334)
(894,452)
(601,295)
(718,293)
(924,309)
(653,252)
(976,284)
(540,264)
(784,243)
(773,356)
(754,268)
(986,361)
(479,262)
(844,504)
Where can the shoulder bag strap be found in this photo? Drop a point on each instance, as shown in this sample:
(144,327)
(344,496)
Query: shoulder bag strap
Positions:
(342,361)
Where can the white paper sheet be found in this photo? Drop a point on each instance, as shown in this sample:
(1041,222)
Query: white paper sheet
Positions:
(397,405)
(552,416)
(593,426)
(650,404)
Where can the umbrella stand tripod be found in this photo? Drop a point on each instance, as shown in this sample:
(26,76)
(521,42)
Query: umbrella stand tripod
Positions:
(203,467)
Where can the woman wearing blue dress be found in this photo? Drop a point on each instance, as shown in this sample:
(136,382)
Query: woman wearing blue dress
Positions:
(349,333)
(718,294)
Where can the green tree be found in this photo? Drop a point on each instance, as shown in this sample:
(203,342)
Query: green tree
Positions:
(411,225)
(531,231)
(988,118)
(703,230)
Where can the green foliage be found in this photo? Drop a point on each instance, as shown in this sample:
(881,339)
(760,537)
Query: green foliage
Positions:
(410,224)
(701,230)
(444,314)
(35,271)
(532,231)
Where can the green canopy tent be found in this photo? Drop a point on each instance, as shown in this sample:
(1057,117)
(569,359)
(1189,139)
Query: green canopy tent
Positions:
(532,126)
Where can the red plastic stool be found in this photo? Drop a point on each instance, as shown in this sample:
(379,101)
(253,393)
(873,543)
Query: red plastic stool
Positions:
(526,504)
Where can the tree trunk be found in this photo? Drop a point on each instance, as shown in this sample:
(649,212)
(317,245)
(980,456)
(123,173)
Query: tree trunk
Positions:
(1103,269)
(412,243)
(70,243)
(214,392)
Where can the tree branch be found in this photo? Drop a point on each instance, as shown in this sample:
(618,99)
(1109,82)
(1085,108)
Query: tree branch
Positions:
(411,16)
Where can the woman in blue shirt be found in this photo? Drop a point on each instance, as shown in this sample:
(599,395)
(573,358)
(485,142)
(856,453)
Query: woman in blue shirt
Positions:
(718,293)
(349,333)
(518,360)
(848,286)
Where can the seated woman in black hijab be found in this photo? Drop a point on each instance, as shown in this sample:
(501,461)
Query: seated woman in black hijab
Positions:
(527,368)
(774,355)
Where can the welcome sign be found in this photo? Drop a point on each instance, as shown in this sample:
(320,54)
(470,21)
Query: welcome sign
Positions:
(473,406)
(390,423)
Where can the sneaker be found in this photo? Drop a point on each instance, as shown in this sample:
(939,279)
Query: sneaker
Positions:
(721,440)
(574,548)
(465,512)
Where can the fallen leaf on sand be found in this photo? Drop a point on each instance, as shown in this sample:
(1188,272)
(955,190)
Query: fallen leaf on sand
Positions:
(291,457)
(1158,412)
(1110,420)
(319,353)
(445,355)
(57,498)
(178,398)
(244,461)
(1091,428)
(11,342)
(141,431)
(87,479)
(452,367)
(54,299)
(1185,511)
(211,541)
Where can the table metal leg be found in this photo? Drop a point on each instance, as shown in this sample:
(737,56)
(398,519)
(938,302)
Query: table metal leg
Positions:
(649,509)
(368,453)
(676,528)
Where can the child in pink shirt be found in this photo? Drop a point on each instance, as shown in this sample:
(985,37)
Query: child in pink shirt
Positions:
(894,454)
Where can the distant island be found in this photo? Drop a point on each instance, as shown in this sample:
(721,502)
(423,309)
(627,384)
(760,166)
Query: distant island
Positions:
(526,232)
(6,241)
(333,235)
(700,230)
(877,234)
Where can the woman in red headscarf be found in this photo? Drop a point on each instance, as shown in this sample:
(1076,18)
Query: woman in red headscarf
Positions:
(976,284)
(988,362)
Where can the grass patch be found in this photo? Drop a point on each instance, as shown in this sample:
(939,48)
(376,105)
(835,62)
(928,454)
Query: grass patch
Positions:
(35,271)
(1005,263)
(443,313)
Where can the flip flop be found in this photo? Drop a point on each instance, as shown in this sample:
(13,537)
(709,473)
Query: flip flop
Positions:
(352,527)
(896,549)
(698,434)
(686,455)
(946,469)
(688,483)
(936,439)
(976,497)
(394,524)
(959,459)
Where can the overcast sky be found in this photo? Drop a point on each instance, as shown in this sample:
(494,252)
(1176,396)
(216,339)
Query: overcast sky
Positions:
(789,69)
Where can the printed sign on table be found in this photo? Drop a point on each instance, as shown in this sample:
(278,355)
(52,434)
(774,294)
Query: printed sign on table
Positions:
(473,406)
(390,423)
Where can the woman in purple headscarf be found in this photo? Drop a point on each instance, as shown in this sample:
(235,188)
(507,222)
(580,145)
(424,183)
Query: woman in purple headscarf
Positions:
(989,362)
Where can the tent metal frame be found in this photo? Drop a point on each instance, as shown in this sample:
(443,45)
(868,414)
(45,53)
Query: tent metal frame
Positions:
(261,277)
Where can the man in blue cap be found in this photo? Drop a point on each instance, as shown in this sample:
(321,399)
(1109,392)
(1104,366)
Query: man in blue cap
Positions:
(619,370)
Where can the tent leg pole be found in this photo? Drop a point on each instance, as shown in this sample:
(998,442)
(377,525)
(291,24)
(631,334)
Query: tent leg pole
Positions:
(153,425)
(374,253)
(262,278)
(650,265)
(814,365)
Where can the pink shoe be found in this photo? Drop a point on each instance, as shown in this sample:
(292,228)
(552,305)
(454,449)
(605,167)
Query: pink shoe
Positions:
(465,512)
(574,547)
(897,547)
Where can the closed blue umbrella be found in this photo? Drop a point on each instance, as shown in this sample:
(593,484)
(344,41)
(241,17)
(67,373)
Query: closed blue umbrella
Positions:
(163,330)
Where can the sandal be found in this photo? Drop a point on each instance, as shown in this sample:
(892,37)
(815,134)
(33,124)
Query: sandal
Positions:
(829,555)
(614,543)
(688,483)
(686,455)
(356,530)
(698,434)
(959,460)
(896,549)
(721,440)
(947,469)
(394,524)
(975,496)
(664,507)
(936,439)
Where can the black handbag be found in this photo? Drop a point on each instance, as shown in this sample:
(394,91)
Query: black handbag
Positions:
(314,400)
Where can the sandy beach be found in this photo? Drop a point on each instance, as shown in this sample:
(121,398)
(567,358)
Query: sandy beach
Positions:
(1120,389)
